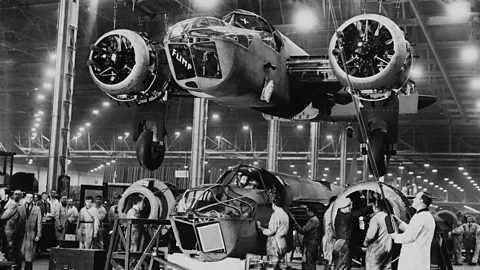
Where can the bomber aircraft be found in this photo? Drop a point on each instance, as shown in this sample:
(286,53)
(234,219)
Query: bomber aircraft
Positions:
(243,61)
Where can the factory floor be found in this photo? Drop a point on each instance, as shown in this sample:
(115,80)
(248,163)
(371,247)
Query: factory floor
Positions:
(42,264)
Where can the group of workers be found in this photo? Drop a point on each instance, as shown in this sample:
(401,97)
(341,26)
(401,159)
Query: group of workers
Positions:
(415,237)
(25,215)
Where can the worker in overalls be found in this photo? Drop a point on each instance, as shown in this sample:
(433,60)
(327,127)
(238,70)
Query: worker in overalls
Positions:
(88,224)
(470,233)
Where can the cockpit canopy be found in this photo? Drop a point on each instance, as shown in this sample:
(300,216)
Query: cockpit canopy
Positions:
(247,20)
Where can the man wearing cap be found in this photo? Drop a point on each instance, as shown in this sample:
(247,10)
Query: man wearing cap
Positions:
(417,236)
(344,221)
(276,232)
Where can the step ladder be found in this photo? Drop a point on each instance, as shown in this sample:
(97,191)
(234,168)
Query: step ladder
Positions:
(151,255)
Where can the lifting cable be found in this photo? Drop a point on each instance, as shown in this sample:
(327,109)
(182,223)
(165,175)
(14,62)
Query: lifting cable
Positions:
(355,100)
(115,6)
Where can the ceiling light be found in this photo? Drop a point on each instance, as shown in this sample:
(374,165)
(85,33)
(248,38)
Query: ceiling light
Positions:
(305,18)
(458,10)
(465,173)
(189,128)
(436,186)
(329,137)
(389,174)
(294,172)
(338,178)
(95,112)
(106,104)
(455,185)
(101,166)
(218,137)
(445,190)
(419,176)
(325,175)
(215,116)
(35,89)
(299,126)
(38,119)
(445,179)
(79,134)
(177,133)
(431,184)
(399,178)
(359,172)
(469,177)
(120,137)
(434,170)
(87,124)
(255,163)
(34,129)
(416,71)
(47,85)
(91,170)
(52,56)
(469,54)
(370,176)
(461,168)
(245,127)
(108,163)
(113,161)
(41,97)
(472,181)
(40,112)
(410,173)
(401,167)
(475,184)
(36,124)
(292,166)
(441,188)
(81,129)
(425,180)
(426,165)
(451,182)
(126,133)
(326,169)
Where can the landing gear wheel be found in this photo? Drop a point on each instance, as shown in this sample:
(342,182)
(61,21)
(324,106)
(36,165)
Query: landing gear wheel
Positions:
(150,154)
(377,148)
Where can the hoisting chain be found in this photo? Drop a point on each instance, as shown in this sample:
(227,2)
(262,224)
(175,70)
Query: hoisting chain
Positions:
(115,6)
(364,7)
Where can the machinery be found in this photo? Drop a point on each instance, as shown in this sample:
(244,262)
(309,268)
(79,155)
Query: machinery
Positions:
(216,221)
(243,61)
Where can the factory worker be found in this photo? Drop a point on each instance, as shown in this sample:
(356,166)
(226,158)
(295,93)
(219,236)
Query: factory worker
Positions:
(417,236)
(378,241)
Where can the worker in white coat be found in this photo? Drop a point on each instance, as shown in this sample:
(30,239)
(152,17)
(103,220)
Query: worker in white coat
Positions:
(417,236)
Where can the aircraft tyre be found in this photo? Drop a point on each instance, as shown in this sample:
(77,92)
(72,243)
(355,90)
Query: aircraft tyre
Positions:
(150,154)
(377,145)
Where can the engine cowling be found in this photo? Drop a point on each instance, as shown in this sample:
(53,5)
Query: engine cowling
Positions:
(124,65)
(158,198)
(376,56)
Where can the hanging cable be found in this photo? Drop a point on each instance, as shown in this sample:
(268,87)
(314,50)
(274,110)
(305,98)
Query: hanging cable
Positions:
(380,6)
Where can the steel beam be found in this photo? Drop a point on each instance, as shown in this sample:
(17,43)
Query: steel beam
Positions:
(197,159)
(273,141)
(437,56)
(63,91)
(314,138)
(343,157)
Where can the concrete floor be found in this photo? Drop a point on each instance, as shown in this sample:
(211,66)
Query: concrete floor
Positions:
(42,264)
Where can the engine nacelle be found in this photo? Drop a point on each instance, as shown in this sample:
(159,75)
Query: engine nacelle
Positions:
(124,65)
(376,56)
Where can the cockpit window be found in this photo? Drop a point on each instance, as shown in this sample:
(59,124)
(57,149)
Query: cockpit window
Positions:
(246,21)
(243,178)
(178,29)
(200,23)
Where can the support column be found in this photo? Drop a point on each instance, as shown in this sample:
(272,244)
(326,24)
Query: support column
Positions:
(199,130)
(314,138)
(272,151)
(343,157)
(62,91)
